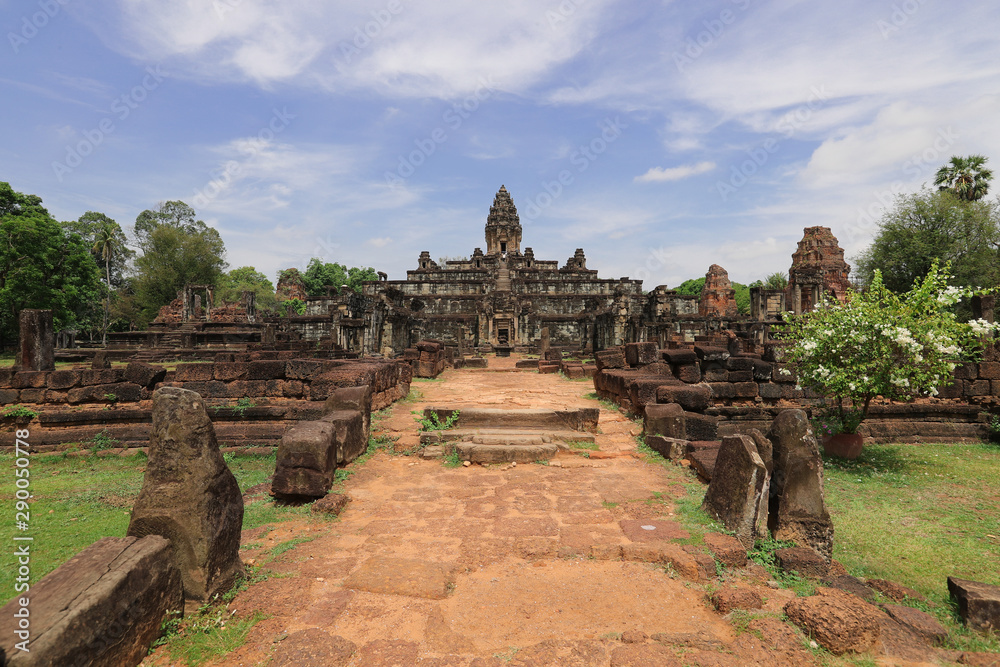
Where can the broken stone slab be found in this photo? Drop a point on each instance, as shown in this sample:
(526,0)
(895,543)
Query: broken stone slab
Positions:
(702,455)
(190,496)
(726,549)
(807,562)
(332,503)
(402,576)
(306,461)
(738,493)
(840,622)
(313,646)
(729,598)
(476,453)
(978,603)
(38,340)
(353,398)
(349,439)
(104,606)
(666,419)
(144,375)
(919,622)
(693,398)
(673,449)
(798,509)
(663,552)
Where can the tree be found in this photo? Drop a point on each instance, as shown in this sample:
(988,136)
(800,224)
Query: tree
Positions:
(966,177)
(879,343)
(42,266)
(109,247)
(176,250)
(777,280)
(930,226)
(319,275)
(233,284)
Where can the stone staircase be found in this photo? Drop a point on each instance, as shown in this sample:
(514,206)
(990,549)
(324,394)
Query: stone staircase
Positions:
(503,279)
(496,435)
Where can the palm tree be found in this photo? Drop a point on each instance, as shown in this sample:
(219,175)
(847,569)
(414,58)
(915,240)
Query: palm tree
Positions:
(108,243)
(967,177)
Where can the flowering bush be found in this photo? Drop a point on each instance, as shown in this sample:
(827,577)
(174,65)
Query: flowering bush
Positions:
(882,344)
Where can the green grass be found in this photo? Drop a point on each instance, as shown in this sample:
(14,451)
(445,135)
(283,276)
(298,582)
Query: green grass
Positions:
(79,500)
(592,446)
(209,634)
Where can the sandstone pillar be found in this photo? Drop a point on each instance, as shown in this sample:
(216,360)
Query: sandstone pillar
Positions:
(37,341)
(543,345)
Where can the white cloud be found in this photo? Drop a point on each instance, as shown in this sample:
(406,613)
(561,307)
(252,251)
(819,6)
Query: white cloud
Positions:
(661,174)
(379,242)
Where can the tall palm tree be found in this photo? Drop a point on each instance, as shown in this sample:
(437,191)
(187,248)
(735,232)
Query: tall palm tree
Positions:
(967,177)
(108,243)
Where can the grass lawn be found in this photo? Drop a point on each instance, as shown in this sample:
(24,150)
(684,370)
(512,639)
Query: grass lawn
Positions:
(78,500)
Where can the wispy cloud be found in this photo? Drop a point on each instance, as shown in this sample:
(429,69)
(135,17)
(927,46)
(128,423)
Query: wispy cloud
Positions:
(661,174)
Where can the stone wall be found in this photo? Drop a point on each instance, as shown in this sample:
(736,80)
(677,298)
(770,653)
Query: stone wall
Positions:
(743,391)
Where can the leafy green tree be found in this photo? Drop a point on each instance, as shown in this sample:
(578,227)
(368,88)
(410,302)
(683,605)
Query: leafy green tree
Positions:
(966,177)
(233,284)
(176,250)
(42,266)
(930,226)
(109,247)
(319,275)
(776,280)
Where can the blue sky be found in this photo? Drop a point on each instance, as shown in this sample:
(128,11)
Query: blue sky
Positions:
(660,137)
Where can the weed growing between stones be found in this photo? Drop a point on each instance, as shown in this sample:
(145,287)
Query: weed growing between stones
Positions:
(575,444)
(102,441)
(210,633)
(432,422)
(18,412)
(241,406)
(451,459)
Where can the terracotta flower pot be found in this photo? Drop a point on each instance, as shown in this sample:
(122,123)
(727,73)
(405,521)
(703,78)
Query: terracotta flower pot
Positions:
(844,445)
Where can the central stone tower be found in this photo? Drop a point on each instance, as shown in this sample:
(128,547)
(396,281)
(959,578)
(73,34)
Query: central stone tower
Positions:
(503,227)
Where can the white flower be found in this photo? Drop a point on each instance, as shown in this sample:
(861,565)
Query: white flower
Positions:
(981,327)
(784,371)
(950,295)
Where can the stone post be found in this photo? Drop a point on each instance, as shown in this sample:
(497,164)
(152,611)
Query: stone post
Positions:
(460,338)
(37,341)
(797,300)
(543,345)
(982,307)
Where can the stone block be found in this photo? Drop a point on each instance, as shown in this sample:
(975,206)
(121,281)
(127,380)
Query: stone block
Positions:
(640,354)
(193,372)
(229,371)
(663,552)
(104,606)
(978,603)
(411,354)
(30,379)
(190,496)
(840,622)
(643,389)
(738,493)
(740,376)
(951,389)
(106,376)
(739,364)
(691,374)
(548,368)
(302,369)
(428,346)
(777,375)
(722,390)
(37,339)
(769,391)
(9,396)
(266,370)
(63,379)
(711,353)
(673,449)
(144,375)
(973,388)
(353,398)
(33,395)
(349,434)
(665,419)
(237,389)
(715,375)
(101,360)
(679,357)
(762,370)
(989,370)
(729,598)
(726,549)
(807,562)
(306,460)
(700,427)
(797,484)
(745,390)
(693,398)
(966,371)
(333,503)
(923,624)
(613,357)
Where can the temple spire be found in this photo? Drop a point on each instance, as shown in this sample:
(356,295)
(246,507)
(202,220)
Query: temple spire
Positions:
(503,227)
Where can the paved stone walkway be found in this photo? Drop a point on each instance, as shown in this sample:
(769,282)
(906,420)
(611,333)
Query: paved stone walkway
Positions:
(505,565)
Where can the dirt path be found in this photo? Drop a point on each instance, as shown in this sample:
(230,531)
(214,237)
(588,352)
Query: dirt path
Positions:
(499,565)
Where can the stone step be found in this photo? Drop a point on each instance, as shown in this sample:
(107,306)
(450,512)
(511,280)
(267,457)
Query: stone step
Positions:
(579,419)
(477,453)
(470,434)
